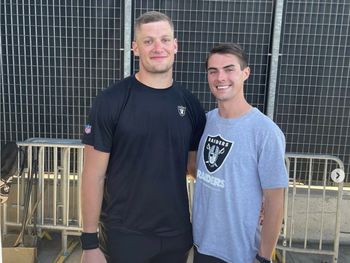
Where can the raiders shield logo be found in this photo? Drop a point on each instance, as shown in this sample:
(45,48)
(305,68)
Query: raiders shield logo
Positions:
(215,151)
(181,110)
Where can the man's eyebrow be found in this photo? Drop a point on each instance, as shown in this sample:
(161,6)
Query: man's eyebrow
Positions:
(153,37)
(225,67)
(230,66)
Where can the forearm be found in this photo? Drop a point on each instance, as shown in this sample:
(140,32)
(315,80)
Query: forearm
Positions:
(191,164)
(91,198)
(95,166)
(273,216)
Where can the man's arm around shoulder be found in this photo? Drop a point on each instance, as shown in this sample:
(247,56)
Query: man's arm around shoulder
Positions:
(191,164)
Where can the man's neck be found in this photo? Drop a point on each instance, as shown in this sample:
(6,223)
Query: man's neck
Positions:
(157,80)
(230,110)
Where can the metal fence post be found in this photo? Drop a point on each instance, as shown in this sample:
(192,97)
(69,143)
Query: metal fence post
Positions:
(274,58)
(127,37)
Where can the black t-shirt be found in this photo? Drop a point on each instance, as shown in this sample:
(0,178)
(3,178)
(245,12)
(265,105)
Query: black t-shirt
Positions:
(148,133)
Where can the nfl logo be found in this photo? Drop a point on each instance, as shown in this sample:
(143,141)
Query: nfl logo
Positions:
(87,129)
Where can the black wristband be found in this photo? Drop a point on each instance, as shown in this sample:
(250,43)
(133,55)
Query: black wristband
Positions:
(89,240)
(262,259)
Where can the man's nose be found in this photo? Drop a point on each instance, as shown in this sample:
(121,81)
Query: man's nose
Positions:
(221,75)
(157,45)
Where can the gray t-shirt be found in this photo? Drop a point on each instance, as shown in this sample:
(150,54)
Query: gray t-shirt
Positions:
(237,159)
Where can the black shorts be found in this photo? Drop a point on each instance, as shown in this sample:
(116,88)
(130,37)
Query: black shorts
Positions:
(121,247)
(202,258)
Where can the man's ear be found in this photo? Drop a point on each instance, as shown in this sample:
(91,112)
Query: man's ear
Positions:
(246,72)
(135,48)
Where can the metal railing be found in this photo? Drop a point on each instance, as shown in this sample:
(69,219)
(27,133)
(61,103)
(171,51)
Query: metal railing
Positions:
(312,207)
(52,169)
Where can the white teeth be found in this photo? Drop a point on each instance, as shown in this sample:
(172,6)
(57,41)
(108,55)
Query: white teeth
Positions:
(222,87)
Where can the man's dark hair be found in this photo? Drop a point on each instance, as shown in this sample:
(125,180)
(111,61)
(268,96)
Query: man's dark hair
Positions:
(229,48)
(150,17)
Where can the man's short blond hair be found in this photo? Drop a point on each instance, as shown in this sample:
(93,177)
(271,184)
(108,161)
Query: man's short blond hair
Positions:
(150,17)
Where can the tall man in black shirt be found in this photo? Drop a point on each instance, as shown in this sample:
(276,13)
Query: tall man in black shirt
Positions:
(140,140)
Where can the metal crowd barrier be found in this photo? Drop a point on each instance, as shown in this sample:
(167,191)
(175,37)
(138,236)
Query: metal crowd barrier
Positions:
(312,206)
(52,169)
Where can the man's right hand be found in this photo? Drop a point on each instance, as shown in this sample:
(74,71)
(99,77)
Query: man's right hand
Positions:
(93,256)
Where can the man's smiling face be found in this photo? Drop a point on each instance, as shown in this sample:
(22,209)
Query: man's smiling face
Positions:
(226,77)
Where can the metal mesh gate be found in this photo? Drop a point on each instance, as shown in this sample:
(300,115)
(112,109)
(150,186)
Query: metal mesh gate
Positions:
(55,57)
(313,101)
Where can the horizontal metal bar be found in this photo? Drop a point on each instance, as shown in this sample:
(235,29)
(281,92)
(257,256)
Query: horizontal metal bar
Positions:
(48,226)
(306,251)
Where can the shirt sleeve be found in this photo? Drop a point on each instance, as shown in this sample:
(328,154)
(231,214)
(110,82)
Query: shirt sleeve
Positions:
(271,162)
(99,129)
